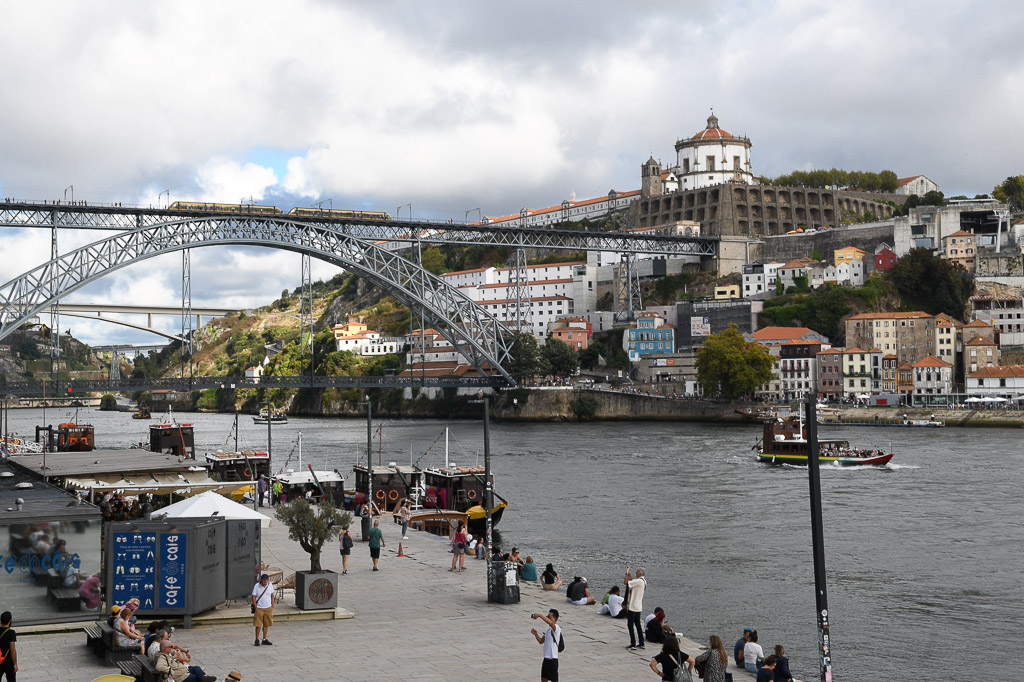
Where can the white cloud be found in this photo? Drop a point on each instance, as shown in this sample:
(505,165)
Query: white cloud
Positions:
(453,105)
(226,181)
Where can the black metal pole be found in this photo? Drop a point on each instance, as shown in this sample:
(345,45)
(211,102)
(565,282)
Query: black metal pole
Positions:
(489,491)
(818,542)
(369,454)
(270,466)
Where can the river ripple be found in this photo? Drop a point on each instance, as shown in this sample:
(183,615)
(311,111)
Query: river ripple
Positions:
(923,557)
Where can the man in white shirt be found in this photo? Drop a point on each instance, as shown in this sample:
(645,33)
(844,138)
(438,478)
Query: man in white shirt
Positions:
(552,636)
(263,602)
(635,607)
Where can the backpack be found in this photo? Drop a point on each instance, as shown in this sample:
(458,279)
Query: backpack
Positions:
(561,641)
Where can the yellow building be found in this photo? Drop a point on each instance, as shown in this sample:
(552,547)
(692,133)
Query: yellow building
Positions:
(848,254)
(959,248)
(726,292)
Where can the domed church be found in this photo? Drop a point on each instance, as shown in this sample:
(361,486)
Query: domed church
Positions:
(711,157)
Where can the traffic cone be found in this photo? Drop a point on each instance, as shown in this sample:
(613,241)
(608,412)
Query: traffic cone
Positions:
(400,552)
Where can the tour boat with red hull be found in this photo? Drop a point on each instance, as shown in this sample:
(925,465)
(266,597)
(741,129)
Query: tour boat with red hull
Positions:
(785,442)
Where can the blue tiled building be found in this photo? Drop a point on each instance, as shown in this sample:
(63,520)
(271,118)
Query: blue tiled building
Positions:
(649,335)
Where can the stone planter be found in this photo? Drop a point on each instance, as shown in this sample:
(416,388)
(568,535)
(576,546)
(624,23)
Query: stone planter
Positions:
(316,590)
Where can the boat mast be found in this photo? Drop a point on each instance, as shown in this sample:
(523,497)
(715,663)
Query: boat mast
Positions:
(300,450)
(446,447)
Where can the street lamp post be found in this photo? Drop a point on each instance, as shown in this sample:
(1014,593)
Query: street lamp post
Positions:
(488,489)
(398,211)
(479,214)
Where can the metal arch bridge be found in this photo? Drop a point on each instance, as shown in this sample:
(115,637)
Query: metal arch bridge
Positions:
(365,247)
(122,219)
(475,332)
(94,311)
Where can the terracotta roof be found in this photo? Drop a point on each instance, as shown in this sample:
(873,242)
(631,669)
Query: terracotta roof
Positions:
(980,341)
(797,263)
(1012,371)
(770,333)
(875,350)
(856,350)
(532,283)
(978,323)
(890,357)
(712,132)
(890,316)
(931,361)
(464,272)
(960,233)
(903,181)
(558,207)
(531,300)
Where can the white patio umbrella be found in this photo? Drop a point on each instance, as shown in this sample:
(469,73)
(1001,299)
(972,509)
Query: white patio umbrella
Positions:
(974,399)
(996,400)
(210,504)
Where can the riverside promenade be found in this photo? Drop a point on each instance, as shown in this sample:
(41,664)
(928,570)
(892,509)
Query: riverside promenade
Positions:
(412,620)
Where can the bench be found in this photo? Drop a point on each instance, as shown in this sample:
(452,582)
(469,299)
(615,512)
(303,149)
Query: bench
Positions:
(112,652)
(94,640)
(67,598)
(149,671)
(131,668)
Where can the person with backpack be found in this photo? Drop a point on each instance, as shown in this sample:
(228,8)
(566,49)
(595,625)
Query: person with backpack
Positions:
(552,641)
(346,549)
(8,650)
(675,664)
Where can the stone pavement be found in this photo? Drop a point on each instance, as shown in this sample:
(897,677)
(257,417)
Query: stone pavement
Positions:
(414,620)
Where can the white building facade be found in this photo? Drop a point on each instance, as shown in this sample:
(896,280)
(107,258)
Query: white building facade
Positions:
(713,156)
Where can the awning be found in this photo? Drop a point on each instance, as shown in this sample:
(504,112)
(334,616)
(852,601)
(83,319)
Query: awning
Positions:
(156,484)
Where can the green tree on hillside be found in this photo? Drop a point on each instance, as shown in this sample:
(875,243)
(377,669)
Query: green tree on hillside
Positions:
(730,366)
(526,361)
(926,282)
(433,260)
(1011,192)
(561,360)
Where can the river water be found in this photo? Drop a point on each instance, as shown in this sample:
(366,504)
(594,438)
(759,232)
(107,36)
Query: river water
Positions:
(923,557)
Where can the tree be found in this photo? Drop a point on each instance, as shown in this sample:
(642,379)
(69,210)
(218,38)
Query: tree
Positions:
(561,360)
(1011,192)
(888,181)
(929,283)
(312,526)
(817,255)
(730,366)
(433,260)
(108,403)
(526,361)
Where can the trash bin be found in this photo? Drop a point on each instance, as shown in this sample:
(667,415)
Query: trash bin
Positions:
(503,583)
(364,526)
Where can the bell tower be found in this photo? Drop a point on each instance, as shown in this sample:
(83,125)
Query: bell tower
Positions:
(650,173)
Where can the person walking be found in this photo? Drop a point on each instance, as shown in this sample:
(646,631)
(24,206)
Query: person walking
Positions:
(714,661)
(278,489)
(261,489)
(551,639)
(404,512)
(8,649)
(635,606)
(376,538)
(459,548)
(346,548)
(263,608)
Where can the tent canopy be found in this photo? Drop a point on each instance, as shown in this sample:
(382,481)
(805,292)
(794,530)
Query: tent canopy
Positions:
(210,504)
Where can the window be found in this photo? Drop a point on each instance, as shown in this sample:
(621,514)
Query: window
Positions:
(736,163)
(710,160)
(686,165)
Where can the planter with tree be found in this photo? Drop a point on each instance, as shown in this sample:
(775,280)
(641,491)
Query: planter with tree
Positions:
(312,526)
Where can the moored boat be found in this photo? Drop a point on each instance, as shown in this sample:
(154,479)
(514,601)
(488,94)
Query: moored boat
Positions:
(142,412)
(784,441)
(275,417)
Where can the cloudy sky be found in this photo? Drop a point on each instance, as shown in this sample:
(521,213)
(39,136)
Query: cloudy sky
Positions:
(454,106)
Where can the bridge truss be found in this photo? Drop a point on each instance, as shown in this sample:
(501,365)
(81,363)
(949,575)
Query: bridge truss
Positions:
(391,231)
(470,328)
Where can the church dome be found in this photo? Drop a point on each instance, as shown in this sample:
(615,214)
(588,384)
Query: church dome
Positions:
(712,132)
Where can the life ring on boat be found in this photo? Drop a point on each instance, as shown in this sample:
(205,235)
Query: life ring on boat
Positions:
(247,474)
(380,495)
(471,494)
(392,495)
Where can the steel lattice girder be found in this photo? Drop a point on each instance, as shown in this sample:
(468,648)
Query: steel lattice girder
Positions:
(80,386)
(126,219)
(470,328)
